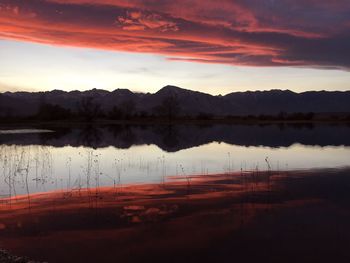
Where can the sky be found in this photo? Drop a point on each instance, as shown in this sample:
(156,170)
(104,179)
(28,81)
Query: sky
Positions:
(211,46)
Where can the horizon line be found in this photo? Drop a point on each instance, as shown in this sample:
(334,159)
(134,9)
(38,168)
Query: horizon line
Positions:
(144,92)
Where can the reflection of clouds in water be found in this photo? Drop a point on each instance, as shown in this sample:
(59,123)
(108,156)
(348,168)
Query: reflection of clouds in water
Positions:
(38,168)
(250,207)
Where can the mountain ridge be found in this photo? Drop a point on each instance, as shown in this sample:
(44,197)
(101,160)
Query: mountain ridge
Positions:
(191,102)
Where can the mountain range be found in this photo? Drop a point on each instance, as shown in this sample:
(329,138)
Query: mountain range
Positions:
(191,102)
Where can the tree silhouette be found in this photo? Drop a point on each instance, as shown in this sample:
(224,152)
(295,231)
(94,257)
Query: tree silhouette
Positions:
(89,109)
(116,113)
(124,111)
(170,107)
(128,108)
(48,111)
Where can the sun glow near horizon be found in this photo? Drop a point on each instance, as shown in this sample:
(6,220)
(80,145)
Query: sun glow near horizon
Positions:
(37,67)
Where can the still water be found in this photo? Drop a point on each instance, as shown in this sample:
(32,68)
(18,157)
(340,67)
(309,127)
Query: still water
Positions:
(54,158)
(175,193)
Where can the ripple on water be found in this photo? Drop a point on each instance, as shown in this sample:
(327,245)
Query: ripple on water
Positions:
(24,131)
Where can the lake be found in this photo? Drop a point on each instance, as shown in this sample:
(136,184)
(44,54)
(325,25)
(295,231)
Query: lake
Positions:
(271,193)
(41,160)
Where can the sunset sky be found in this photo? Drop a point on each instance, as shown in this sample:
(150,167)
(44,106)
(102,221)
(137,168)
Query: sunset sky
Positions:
(211,46)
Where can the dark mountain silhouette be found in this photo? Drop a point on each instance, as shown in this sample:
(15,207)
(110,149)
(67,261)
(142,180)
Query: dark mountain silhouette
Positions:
(274,101)
(191,103)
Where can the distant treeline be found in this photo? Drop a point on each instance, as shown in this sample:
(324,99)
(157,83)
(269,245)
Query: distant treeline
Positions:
(88,110)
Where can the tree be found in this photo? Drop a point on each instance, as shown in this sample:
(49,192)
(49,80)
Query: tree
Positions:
(89,109)
(170,107)
(124,111)
(116,113)
(2,112)
(48,111)
(128,108)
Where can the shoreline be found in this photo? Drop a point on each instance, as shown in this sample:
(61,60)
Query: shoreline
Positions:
(100,123)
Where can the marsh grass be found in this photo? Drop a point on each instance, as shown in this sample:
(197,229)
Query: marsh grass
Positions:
(30,169)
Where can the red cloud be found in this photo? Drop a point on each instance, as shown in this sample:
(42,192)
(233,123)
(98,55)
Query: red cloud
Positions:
(236,32)
(137,20)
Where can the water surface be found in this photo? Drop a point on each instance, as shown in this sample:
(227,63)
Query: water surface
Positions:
(245,217)
(80,157)
(183,193)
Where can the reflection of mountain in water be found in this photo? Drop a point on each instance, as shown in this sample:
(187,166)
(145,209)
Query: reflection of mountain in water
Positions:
(175,138)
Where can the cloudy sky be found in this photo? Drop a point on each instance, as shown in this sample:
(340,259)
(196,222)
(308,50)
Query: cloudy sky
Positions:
(211,46)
